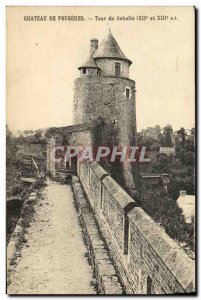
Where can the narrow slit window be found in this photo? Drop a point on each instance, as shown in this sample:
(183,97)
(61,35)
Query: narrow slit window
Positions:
(89,175)
(114,121)
(126,234)
(84,71)
(117,69)
(127,93)
(149,285)
(101,206)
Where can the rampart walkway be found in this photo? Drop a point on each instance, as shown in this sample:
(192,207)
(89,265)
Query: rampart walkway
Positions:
(53,261)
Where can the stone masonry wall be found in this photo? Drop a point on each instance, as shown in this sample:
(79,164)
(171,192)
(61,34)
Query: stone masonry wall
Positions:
(50,164)
(107,66)
(105,97)
(75,135)
(147,259)
(106,276)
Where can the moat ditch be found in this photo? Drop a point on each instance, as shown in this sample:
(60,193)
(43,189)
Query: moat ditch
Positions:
(13,211)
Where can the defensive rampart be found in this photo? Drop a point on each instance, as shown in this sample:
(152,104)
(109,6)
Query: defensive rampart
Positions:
(147,259)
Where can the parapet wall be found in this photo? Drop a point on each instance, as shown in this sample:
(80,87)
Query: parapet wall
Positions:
(148,260)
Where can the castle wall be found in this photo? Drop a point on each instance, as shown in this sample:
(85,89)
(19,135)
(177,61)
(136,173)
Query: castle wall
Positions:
(35,150)
(107,66)
(105,97)
(141,250)
(75,135)
(92,99)
(89,71)
(50,163)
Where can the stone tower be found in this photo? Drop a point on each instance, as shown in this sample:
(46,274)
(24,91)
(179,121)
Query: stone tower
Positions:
(105,90)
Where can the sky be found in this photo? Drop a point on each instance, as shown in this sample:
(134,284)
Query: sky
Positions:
(43,57)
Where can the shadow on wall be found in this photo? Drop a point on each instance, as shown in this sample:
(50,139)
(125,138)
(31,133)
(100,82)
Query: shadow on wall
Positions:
(147,259)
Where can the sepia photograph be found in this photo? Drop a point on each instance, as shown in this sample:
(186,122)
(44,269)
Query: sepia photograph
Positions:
(100,150)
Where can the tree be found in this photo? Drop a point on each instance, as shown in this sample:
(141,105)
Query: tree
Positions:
(21,140)
(139,137)
(177,184)
(165,211)
(157,130)
(11,162)
(167,137)
(189,158)
(186,157)
(26,132)
(147,137)
(19,132)
(8,134)
(193,131)
(162,163)
(39,131)
(182,132)
(37,136)
(147,141)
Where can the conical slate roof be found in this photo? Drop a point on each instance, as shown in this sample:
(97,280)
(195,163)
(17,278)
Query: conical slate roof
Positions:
(109,48)
(90,63)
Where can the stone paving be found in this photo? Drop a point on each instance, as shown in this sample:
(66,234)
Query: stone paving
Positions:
(54,258)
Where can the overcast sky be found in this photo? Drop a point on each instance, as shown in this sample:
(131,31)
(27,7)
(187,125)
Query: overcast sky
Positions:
(43,57)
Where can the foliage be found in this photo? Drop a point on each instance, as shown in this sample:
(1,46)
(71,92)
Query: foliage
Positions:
(12,170)
(186,157)
(182,132)
(13,185)
(177,184)
(148,136)
(163,207)
(39,183)
(162,163)
(165,211)
(166,139)
(31,136)
(181,165)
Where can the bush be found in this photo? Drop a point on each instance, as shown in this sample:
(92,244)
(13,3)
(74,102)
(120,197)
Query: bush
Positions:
(164,210)
(17,190)
(39,183)
(176,185)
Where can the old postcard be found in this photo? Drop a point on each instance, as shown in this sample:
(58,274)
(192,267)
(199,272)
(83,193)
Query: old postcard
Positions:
(100,179)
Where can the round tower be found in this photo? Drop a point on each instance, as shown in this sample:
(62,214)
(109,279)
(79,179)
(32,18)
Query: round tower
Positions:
(90,67)
(111,59)
(105,90)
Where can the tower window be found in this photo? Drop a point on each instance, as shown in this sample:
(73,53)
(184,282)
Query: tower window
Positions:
(117,68)
(149,285)
(84,71)
(128,93)
(126,234)
(114,121)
